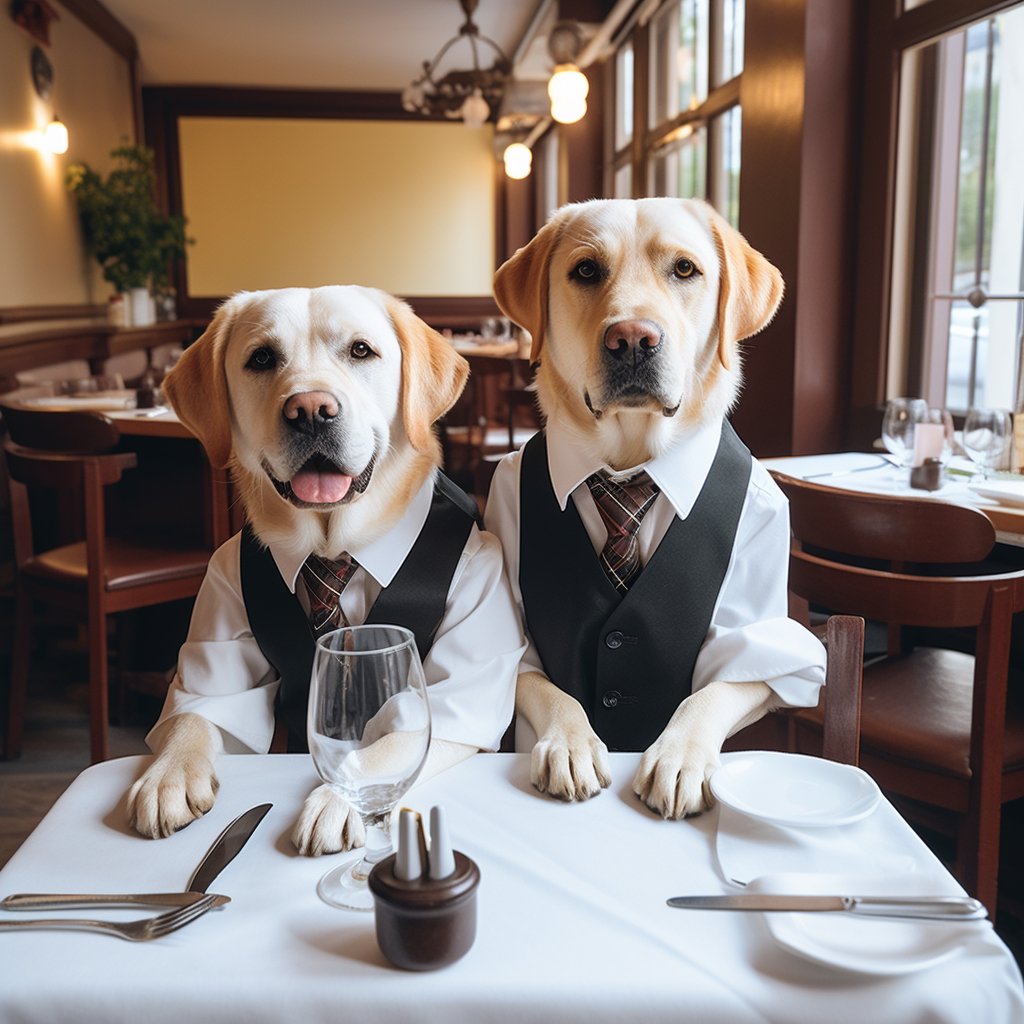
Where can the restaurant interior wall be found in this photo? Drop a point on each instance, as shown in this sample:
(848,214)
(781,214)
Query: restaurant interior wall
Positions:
(399,205)
(41,257)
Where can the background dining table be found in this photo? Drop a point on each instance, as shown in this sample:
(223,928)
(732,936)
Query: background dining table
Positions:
(572,920)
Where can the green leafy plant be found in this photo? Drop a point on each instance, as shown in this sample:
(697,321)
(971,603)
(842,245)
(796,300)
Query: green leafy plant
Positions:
(134,243)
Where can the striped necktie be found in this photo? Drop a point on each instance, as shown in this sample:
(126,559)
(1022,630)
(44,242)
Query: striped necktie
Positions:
(325,580)
(623,505)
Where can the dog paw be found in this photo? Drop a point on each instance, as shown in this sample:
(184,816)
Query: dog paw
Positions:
(327,824)
(171,794)
(570,766)
(674,784)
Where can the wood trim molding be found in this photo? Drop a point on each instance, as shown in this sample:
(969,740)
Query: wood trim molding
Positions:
(96,17)
(23,314)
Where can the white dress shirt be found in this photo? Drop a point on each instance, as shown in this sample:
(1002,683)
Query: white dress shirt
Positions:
(751,636)
(470,669)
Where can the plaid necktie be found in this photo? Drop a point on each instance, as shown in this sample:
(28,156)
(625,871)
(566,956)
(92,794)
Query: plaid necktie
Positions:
(325,580)
(623,505)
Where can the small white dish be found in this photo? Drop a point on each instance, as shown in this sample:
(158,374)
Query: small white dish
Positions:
(794,790)
(859,945)
(1006,492)
(110,402)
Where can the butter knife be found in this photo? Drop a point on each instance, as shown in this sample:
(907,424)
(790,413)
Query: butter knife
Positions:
(930,908)
(226,847)
(70,901)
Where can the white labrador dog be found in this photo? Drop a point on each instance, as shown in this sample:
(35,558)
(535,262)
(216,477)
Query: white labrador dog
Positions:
(264,359)
(680,269)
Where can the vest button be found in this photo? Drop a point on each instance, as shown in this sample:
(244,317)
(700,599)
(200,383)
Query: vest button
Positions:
(613,639)
(611,698)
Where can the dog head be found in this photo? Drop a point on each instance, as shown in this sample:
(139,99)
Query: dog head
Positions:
(636,309)
(314,396)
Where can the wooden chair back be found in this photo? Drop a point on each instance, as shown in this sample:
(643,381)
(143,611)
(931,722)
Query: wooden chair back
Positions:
(79,432)
(844,643)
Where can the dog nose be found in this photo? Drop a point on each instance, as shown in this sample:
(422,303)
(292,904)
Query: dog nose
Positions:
(310,411)
(633,339)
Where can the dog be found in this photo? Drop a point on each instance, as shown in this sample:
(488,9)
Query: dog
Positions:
(322,402)
(636,309)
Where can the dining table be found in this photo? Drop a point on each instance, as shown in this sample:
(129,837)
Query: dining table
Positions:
(1000,496)
(572,920)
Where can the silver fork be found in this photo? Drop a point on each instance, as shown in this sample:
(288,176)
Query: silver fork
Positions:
(135,931)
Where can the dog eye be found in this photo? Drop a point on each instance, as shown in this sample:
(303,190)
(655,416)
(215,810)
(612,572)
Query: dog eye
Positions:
(586,272)
(262,359)
(360,350)
(685,268)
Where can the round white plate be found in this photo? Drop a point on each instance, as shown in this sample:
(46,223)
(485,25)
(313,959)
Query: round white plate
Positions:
(111,401)
(794,790)
(1006,492)
(861,945)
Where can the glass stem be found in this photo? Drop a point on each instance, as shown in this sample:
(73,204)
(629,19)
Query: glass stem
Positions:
(378,844)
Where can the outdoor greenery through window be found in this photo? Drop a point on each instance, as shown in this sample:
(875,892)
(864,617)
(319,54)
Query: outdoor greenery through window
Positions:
(690,55)
(957,323)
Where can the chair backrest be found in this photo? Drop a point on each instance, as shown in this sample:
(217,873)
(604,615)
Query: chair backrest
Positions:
(844,677)
(53,431)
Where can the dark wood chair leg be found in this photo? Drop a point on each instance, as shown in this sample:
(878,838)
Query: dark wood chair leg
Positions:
(99,696)
(20,656)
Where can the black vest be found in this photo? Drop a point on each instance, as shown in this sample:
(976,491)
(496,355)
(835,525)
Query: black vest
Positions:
(628,659)
(415,598)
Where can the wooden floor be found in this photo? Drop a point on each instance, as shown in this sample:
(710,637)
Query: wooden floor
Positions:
(56,749)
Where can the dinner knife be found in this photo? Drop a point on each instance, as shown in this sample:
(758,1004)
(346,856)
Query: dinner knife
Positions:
(71,901)
(931,908)
(226,847)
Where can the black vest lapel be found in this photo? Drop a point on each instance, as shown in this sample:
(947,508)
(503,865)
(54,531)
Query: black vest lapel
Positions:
(629,662)
(416,599)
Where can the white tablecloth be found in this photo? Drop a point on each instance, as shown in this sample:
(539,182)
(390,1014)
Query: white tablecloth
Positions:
(573,924)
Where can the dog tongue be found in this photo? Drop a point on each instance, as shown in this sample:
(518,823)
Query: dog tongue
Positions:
(317,487)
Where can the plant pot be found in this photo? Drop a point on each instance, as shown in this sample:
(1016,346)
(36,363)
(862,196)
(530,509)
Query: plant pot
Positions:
(142,308)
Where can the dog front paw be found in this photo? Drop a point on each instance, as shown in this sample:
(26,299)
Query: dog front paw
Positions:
(570,766)
(171,794)
(327,824)
(674,782)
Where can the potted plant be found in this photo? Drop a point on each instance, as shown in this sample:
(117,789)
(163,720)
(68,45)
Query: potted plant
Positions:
(134,243)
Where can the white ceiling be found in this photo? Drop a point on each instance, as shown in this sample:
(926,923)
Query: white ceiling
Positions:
(315,44)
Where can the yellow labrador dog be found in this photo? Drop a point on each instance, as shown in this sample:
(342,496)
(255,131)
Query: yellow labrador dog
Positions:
(636,309)
(322,402)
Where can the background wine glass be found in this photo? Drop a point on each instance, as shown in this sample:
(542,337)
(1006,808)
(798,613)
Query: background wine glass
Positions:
(369,731)
(986,437)
(898,423)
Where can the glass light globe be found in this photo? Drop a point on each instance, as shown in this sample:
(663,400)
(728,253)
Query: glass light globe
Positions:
(56,136)
(568,88)
(518,160)
(475,110)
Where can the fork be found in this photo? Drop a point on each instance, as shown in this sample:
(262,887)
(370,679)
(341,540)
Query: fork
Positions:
(135,931)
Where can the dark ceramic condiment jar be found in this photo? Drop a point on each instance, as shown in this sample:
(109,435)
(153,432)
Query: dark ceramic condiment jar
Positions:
(425,923)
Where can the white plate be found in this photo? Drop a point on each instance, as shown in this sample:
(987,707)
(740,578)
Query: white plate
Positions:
(860,945)
(1006,492)
(794,790)
(108,402)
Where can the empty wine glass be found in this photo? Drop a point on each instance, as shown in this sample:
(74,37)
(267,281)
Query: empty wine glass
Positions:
(898,424)
(369,730)
(986,437)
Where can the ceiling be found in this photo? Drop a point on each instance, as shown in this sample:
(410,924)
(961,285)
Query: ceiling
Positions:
(314,44)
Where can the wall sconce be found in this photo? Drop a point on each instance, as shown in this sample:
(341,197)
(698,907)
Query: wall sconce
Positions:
(518,161)
(55,136)
(568,86)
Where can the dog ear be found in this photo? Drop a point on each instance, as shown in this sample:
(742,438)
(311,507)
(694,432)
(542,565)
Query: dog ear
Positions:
(521,284)
(197,387)
(749,292)
(433,373)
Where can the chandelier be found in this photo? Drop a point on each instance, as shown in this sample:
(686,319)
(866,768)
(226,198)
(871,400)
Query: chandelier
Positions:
(470,94)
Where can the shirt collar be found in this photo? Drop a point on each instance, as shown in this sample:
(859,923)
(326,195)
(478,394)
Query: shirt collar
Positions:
(679,473)
(383,557)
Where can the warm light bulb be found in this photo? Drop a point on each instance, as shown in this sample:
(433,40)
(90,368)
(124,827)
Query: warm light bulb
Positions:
(518,160)
(568,90)
(475,110)
(55,136)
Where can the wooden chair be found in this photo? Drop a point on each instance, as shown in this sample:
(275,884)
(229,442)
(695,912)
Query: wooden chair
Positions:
(940,727)
(74,453)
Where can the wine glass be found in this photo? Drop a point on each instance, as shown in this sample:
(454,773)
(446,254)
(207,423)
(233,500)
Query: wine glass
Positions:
(368,726)
(986,437)
(898,424)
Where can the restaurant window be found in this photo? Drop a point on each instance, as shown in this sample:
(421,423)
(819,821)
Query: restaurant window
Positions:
(956,325)
(677,83)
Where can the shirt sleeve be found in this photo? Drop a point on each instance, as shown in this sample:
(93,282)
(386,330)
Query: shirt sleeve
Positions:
(472,666)
(751,636)
(222,674)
